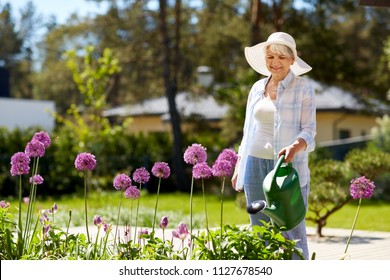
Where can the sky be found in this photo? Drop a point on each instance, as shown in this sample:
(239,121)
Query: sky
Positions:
(62,9)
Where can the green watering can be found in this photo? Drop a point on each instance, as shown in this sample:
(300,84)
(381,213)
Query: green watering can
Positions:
(284,202)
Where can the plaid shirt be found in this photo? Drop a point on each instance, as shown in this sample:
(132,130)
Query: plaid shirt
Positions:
(295,117)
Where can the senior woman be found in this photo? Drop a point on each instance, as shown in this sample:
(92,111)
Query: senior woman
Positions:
(280,120)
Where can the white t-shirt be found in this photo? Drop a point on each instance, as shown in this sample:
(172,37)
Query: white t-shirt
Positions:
(263,113)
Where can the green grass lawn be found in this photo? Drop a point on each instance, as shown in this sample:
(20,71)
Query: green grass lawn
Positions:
(374,215)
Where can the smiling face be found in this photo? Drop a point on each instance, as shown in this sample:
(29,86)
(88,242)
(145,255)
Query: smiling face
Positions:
(278,59)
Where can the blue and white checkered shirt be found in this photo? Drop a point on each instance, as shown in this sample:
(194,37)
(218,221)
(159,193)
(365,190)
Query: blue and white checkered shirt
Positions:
(295,117)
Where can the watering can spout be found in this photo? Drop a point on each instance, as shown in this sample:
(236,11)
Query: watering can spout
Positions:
(274,211)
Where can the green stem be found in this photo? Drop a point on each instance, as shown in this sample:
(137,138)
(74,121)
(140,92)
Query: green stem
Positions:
(96,242)
(220,240)
(67,231)
(117,219)
(205,208)
(20,238)
(155,208)
(136,216)
(192,190)
(353,225)
(85,204)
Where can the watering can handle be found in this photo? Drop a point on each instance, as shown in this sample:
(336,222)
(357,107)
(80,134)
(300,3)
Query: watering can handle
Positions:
(277,166)
(279,162)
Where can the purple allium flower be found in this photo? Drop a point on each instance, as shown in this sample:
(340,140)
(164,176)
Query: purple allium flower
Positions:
(97,221)
(106,227)
(164,222)
(46,229)
(4,204)
(161,170)
(85,161)
(201,171)
(53,209)
(20,164)
(26,200)
(44,218)
(43,137)
(143,232)
(222,168)
(122,182)
(181,231)
(141,175)
(132,193)
(229,155)
(36,180)
(361,188)
(194,154)
(35,148)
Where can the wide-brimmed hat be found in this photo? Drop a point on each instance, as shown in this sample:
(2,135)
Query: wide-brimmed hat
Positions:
(256,55)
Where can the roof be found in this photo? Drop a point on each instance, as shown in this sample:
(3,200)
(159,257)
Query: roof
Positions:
(187,105)
(331,98)
(328,98)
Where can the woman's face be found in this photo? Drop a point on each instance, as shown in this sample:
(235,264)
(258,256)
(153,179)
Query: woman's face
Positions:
(278,64)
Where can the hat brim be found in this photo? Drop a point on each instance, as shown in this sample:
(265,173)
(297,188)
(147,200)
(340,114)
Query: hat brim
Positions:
(256,58)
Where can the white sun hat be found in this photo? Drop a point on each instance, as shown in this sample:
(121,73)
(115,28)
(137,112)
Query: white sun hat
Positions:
(255,55)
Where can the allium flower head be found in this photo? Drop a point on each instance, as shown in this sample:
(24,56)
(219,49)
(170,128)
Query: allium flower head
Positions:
(195,153)
(43,137)
(4,204)
(161,170)
(122,182)
(222,168)
(132,193)
(229,155)
(164,222)
(201,171)
(85,161)
(20,164)
(361,188)
(35,148)
(97,221)
(181,231)
(36,180)
(106,227)
(142,232)
(141,175)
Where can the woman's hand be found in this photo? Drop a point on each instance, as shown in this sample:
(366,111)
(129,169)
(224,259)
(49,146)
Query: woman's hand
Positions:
(290,151)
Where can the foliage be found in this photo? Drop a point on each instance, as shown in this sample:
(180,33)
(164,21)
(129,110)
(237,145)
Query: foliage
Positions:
(42,239)
(370,162)
(381,132)
(328,191)
(329,181)
(244,243)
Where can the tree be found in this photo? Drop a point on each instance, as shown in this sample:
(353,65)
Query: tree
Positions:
(329,191)
(16,48)
(171,68)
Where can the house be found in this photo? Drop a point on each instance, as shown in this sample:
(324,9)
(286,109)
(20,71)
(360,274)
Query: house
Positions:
(342,119)
(152,115)
(26,113)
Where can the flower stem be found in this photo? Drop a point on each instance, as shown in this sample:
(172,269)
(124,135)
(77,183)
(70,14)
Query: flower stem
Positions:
(353,225)
(20,238)
(85,205)
(155,208)
(117,219)
(136,215)
(205,208)
(192,190)
(220,239)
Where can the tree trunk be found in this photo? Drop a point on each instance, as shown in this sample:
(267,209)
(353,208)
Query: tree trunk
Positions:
(170,82)
(255,22)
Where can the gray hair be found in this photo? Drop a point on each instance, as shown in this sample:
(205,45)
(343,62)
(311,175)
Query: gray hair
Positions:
(280,49)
